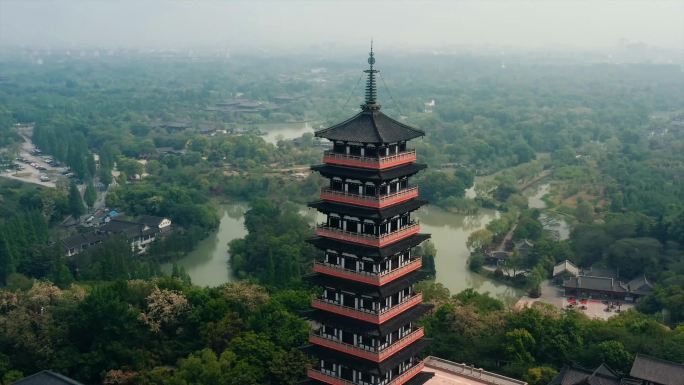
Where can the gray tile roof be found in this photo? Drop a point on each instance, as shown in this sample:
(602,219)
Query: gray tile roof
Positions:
(565,266)
(657,370)
(78,240)
(370,126)
(119,226)
(640,286)
(150,220)
(602,375)
(594,283)
(600,272)
(46,377)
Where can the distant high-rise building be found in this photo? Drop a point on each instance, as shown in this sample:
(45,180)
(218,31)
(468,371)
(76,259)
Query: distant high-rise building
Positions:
(365,331)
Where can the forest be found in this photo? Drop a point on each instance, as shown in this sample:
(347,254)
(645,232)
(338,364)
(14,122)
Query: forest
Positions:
(607,136)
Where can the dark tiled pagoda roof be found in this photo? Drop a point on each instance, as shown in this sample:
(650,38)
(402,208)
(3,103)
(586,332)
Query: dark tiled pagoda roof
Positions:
(367,289)
(383,329)
(329,171)
(657,371)
(365,365)
(370,126)
(575,375)
(369,251)
(368,212)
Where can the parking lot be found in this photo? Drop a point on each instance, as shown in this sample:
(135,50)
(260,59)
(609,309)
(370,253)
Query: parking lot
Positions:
(32,167)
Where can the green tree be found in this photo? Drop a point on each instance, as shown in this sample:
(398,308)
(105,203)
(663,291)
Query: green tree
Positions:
(519,345)
(528,228)
(584,212)
(90,195)
(614,354)
(540,375)
(129,166)
(479,239)
(76,208)
(482,302)
(433,292)
(634,256)
(105,175)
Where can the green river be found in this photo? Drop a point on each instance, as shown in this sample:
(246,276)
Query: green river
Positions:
(207,265)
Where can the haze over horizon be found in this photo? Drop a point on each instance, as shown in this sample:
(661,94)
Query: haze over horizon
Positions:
(298,25)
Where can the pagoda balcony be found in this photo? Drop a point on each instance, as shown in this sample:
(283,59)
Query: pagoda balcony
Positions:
(372,354)
(330,378)
(368,239)
(369,200)
(366,277)
(374,162)
(368,315)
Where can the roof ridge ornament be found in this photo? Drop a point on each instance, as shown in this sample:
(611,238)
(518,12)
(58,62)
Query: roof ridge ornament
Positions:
(371,87)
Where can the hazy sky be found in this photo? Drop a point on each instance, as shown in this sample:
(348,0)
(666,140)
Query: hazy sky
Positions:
(397,24)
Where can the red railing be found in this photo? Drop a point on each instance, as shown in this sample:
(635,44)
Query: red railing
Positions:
(369,201)
(369,354)
(367,239)
(375,162)
(368,315)
(332,380)
(370,278)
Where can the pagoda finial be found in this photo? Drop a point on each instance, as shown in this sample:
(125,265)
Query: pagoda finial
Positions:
(371,88)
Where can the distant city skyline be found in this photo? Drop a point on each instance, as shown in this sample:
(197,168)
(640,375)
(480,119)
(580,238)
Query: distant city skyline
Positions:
(404,25)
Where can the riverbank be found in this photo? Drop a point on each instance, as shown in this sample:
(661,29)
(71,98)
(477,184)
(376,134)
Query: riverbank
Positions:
(208,263)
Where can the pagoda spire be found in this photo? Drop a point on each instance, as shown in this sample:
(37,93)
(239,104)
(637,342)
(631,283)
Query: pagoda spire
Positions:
(371,87)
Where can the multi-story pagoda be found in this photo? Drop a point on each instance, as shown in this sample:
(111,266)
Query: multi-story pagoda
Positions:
(365,331)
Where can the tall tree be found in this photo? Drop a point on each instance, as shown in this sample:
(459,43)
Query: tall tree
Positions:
(75,201)
(90,195)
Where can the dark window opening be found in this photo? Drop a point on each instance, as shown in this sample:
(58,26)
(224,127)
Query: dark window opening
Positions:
(348,338)
(367,304)
(339,148)
(350,263)
(347,374)
(334,222)
(348,300)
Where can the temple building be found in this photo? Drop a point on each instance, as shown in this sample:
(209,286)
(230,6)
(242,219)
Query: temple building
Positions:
(364,318)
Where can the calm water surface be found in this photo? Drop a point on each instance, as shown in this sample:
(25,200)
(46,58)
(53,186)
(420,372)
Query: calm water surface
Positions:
(207,265)
(554,223)
(450,232)
(275,132)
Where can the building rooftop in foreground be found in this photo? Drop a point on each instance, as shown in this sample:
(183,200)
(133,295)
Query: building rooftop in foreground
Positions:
(451,373)
(657,371)
(46,377)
